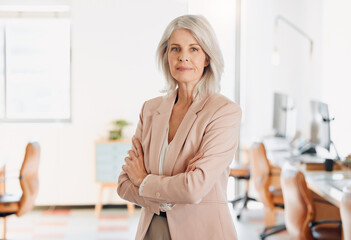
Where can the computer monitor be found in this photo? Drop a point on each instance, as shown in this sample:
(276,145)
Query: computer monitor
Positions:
(320,125)
(283,122)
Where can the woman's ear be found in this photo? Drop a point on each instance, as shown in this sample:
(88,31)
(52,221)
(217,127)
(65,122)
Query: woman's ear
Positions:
(207,61)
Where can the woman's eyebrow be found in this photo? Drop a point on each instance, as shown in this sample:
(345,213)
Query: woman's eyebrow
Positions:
(192,44)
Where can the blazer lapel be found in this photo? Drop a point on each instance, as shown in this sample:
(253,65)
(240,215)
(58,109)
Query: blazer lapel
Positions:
(181,134)
(160,122)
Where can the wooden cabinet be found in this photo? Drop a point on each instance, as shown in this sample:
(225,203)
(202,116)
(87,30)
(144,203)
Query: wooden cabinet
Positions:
(109,158)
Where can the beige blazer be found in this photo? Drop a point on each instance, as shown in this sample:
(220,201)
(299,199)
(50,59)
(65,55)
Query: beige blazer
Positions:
(211,126)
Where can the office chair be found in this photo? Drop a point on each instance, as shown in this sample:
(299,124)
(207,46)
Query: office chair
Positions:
(266,180)
(242,172)
(345,212)
(29,181)
(301,209)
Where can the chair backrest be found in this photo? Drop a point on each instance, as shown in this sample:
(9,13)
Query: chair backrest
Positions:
(298,203)
(345,212)
(29,178)
(260,170)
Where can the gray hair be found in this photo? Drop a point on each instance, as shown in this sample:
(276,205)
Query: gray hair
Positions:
(205,35)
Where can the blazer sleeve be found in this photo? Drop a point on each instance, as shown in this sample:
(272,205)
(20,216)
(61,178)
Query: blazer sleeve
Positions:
(219,144)
(127,190)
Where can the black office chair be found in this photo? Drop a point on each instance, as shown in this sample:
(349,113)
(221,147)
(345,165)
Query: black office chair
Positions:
(241,174)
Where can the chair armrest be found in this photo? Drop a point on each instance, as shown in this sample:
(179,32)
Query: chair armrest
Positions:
(312,224)
(240,173)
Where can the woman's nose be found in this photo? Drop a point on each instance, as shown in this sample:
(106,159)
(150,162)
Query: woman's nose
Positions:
(183,58)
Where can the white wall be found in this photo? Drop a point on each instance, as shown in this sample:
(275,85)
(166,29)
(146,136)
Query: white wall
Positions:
(113,72)
(336,70)
(297,75)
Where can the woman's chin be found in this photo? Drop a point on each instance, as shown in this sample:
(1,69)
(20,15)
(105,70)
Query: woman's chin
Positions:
(181,81)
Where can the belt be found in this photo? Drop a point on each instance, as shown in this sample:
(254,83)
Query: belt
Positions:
(163,214)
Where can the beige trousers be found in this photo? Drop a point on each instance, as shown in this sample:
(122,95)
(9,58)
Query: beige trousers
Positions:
(158,229)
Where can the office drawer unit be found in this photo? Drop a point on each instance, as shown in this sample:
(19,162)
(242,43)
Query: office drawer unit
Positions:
(109,158)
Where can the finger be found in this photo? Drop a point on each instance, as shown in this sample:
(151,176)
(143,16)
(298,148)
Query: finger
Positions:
(138,147)
(190,165)
(134,148)
(124,168)
(132,154)
(192,161)
(190,168)
(199,155)
(127,160)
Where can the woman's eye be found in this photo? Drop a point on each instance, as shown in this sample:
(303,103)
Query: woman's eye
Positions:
(194,49)
(174,49)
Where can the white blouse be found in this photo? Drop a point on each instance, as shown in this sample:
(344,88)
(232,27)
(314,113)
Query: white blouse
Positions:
(163,206)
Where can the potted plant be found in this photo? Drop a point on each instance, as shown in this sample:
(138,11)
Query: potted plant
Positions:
(117,132)
(347,161)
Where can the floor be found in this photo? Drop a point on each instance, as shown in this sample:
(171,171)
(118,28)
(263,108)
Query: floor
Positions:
(114,223)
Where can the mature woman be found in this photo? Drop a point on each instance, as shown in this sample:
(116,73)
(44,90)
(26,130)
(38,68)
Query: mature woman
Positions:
(184,142)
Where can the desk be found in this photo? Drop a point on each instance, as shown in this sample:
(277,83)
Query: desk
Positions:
(328,184)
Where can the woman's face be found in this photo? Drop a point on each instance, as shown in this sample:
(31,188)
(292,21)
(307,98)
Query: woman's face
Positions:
(186,58)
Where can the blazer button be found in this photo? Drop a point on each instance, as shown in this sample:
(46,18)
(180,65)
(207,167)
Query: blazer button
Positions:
(158,194)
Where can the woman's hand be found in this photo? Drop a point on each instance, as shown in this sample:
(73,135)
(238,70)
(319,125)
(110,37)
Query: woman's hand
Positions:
(134,166)
(191,165)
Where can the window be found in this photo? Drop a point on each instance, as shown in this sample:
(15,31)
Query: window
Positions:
(35,73)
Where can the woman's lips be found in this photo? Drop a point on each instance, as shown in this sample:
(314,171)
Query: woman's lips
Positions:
(182,69)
